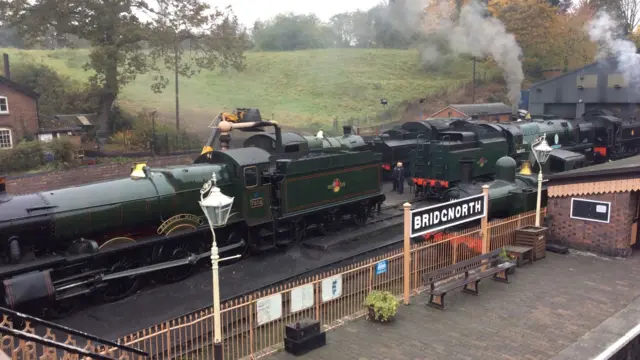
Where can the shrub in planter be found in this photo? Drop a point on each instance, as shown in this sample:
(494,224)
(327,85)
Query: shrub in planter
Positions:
(509,258)
(382,306)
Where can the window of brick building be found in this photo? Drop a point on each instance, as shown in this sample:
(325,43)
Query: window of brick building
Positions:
(6,142)
(4,105)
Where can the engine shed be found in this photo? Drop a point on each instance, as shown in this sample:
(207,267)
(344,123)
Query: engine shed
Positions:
(596,208)
(597,86)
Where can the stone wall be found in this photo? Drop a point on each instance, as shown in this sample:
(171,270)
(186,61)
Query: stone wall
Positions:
(31,183)
(611,239)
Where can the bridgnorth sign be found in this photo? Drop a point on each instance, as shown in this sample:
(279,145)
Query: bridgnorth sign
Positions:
(442,216)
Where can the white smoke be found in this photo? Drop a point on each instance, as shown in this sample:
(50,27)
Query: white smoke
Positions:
(472,34)
(605,31)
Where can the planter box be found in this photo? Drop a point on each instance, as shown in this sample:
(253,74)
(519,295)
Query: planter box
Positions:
(372,316)
(535,237)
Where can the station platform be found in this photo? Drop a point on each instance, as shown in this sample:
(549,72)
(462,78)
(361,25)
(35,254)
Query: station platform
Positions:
(547,307)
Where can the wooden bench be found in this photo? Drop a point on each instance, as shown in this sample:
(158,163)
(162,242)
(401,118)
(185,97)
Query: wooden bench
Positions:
(465,274)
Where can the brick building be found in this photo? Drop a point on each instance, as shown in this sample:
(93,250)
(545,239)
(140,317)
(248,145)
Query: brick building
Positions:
(492,112)
(18,112)
(596,208)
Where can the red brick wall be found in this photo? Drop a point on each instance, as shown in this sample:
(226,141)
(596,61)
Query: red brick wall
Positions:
(610,239)
(444,113)
(23,113)
(31,183)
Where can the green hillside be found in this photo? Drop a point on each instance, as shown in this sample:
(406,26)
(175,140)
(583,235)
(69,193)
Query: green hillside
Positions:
(298,87)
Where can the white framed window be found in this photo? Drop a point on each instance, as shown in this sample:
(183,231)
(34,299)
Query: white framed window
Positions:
(4,105)
(6,140)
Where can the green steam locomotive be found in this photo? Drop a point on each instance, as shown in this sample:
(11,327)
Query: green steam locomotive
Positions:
(469,149)
(102,239)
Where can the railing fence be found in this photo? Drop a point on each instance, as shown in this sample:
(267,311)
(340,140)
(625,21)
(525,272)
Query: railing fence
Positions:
(253,325)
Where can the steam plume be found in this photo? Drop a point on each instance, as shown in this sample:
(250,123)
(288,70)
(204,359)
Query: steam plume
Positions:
(472,34)
(604,31)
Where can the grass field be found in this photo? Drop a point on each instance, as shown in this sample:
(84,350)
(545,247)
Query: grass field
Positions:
(298,88)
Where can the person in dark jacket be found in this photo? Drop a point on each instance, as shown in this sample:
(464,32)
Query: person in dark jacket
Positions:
(400,178)
(394,176)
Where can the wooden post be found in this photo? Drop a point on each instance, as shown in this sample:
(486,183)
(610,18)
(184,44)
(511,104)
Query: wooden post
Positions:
(407,251)
(484,228)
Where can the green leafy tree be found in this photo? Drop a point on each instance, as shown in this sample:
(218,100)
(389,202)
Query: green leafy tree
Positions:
(187,36)
(287,32)
(110,26)
(58,94)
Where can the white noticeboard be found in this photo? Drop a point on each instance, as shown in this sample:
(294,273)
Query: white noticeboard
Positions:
(331,288)
(269,308)
(301,298)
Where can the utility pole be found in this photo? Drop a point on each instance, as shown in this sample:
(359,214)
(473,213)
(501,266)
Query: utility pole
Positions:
(473,83)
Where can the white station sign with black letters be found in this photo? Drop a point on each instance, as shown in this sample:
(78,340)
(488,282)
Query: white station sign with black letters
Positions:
(441,216)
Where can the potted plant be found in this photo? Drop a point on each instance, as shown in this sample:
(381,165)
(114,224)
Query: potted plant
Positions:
(506,257)
(382,306)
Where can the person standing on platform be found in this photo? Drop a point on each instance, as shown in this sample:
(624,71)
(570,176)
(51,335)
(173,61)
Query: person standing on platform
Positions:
(400,178)
(394,177)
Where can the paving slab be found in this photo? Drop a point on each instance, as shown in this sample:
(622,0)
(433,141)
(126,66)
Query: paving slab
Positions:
(547,307)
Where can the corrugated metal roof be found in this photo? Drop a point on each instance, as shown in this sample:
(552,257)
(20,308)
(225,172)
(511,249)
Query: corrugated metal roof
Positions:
(66,122)
(479,109)
(610,61)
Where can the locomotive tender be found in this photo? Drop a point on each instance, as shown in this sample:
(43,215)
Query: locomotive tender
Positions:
(100,239)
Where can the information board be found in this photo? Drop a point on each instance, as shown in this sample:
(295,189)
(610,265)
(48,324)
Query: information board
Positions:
(442,216)
(381,267)
(269,308)
(590,210)
(301,298)
(331,288)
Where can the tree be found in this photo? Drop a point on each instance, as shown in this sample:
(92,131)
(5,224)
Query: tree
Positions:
(287,32)
(626,12)
(536,26)
(343,26)
(187,36)
(111,28)
(58,94)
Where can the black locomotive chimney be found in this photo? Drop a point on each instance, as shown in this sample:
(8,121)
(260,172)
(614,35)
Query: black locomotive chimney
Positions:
(466,170)
(514,112)
(7,69)
(347,130)
(279,145)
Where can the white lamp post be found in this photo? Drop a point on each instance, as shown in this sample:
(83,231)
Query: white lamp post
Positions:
(216,207)
(541,151)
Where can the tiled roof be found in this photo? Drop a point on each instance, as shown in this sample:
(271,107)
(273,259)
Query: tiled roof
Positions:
(23,89)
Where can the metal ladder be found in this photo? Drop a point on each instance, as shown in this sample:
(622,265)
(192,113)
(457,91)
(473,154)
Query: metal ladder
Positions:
(438,161)
(419,159)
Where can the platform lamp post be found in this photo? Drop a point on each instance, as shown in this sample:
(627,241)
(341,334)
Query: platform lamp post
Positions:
(541,151)
(216,207)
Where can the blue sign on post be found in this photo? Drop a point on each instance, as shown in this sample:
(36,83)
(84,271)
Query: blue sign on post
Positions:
(381,267)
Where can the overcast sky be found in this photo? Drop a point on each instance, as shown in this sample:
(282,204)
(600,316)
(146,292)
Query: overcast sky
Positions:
(249,11)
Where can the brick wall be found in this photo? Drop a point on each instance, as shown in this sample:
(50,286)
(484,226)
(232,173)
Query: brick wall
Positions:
(31,183)
(23,113)
(611,239)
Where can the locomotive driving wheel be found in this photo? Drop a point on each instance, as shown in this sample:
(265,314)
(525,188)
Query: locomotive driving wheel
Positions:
(331,223)
(361,215)
(123,287)
(165,253)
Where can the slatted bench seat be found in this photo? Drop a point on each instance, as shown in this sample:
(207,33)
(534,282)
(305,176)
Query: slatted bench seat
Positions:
(465,274)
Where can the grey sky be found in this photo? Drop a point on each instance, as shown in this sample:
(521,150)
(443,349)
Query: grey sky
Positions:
(250,10)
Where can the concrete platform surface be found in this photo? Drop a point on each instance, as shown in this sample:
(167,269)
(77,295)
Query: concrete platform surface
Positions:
(546,308)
